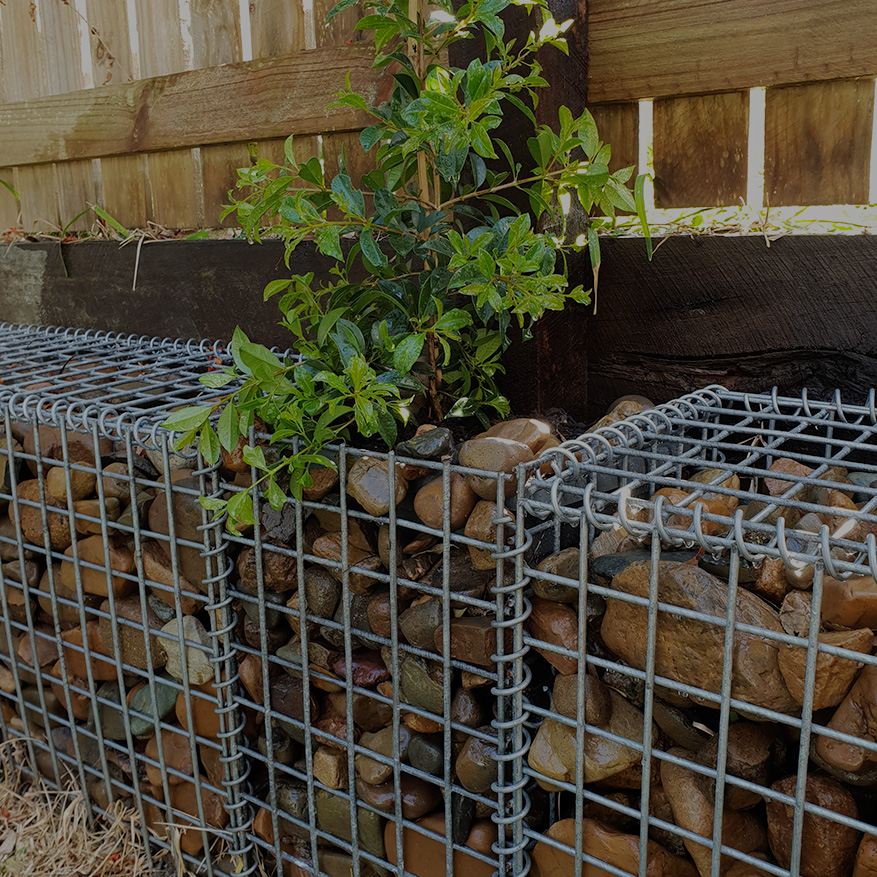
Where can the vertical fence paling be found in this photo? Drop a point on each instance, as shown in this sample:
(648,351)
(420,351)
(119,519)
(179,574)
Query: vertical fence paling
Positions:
(689,475)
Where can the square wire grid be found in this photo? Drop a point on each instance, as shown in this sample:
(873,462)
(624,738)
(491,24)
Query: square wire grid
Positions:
(91,545)
(329,544)
(692,477)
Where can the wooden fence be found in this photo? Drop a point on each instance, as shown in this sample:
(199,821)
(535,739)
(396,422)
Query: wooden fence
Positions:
(147,107)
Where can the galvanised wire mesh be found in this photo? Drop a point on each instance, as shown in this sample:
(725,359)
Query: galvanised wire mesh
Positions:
(116,664)
(701,616)
(380,653)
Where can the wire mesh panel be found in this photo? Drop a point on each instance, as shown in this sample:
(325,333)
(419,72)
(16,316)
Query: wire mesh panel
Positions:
(701,626)
(380,645)
(115,628)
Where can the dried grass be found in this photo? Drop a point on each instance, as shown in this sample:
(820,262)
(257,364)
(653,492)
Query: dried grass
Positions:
(45,833)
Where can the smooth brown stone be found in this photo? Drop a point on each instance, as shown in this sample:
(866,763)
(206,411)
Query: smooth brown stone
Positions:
(132,645)
(188,516)
(334,731)
(375,772)
(250,672)
(852,603)
(857,716)
(159,571)
(368,482)
(691,651)
(212,764)
(323,480)
(333,817)
(866,857)
(607,845)
(784,466)
(92,508)
(476,765)
(330,766)
(378,612)
(526,430)
(834,674)
(103,667)
(287,697)
(330,547)
(255,635)
(558,625)
(553,752)
(119,557)
(180,640)
(493,454)
(755,752)
(31,521)
(176,753)
(598,702)
(44,643)
(418,796)
(278,568)
(80,704)
(429,502)
(466,710)
(564,564)
(473,680)
(795,613)
(205,719)
(9,541)
(694,811)
(828,849)
(424,856)
(472,640)
(368,668)
(361,533)
(184,799)
(480,526)
(369,714)
(81,484)
(421,724)
(116,482)
(771,583)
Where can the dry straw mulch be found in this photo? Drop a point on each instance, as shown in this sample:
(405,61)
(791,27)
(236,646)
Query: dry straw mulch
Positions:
(45,833)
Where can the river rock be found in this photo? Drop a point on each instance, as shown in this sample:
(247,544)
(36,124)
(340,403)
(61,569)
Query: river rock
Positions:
(331,547)
(368,482)
(565,565)
(131,639)
(557,625)
(604,567)
(472,640)
(425,753)
(184,799)
(429,505)
(103,666)
(159,573)
(176,754)
(480,526)
(857,716)
(91,508)
(278,568)
(367,668)
(795,613)
(31,520)
(110,715)
(493,454)
(433,444)
(424,855)
(755,752)
(834,674)
(463,578)
(598,701)
(691,651)
(329,766)
(420,622)
(418,796)
(526,430)
(476,764)
(81,483)
(165,702)
(417,686)
(202,703)
(9,542)
(694,810)
(376,772)
(197,650)
(118,557)
(828,848)
(852,603)
(784,466)
(358,622)
(369,714)
(360,533)
(866,857)
(333,817)
(287,697)
(605,844)
(188,516)
(553,751)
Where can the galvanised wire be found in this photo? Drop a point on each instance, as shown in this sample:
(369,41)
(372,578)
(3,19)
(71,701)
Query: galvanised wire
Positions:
(505,732)
(605,482)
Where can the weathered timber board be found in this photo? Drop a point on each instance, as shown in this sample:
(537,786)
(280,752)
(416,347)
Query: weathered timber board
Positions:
(257,99)
(705,310)
(668,48)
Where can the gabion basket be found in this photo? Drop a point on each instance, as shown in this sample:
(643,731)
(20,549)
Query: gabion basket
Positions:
(380,650)
(117,667)
(702,607)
